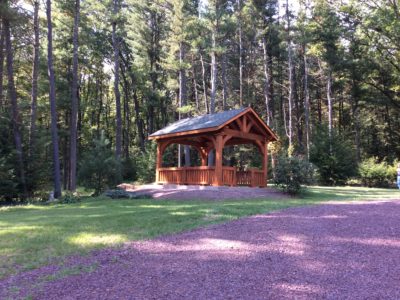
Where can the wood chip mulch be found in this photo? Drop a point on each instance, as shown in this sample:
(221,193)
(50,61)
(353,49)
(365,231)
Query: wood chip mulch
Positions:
(330,251)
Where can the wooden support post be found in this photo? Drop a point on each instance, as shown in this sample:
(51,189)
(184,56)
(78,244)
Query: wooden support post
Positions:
(161,146)
(158,162)
(218,160)
(204,160)
(204,155)
(265,164)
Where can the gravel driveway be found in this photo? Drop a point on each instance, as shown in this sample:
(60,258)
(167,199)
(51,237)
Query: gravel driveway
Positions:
(330,251)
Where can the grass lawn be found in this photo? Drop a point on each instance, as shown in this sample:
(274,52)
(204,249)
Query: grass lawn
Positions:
(35,235)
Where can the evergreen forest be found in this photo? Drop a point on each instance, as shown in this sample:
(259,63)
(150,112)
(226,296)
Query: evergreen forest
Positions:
(83,83)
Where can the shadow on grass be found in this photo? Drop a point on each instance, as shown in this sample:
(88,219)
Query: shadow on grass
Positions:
(35,235)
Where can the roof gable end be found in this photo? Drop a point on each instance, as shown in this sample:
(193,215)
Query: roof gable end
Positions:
(210,122)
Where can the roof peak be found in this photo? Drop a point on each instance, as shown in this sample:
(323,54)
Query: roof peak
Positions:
(199,122)
(206,123)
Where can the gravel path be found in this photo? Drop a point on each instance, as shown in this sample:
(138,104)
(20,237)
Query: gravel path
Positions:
(330,251)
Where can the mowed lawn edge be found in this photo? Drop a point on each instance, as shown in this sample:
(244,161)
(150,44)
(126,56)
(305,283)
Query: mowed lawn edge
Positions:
(35,235)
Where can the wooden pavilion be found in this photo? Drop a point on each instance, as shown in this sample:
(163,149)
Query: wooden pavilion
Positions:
(214,131)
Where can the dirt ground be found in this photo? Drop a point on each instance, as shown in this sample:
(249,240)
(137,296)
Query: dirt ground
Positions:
(196,192)
(330,251)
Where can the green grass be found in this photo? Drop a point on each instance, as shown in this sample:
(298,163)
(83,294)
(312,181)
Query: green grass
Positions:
(35,235)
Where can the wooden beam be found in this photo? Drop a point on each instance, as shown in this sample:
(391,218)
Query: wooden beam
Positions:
(244,135)
(233,125)
(225,139)
(186,142)
(267,128)
(164,145)
(247,123)
(255,123)
(239,123)
(203,151)
(261,146)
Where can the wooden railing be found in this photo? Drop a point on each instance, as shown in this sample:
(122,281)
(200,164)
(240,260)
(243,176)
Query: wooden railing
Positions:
(187,175)
(243,178)
(229,176)
(206,176)
(258,178)
(252,177)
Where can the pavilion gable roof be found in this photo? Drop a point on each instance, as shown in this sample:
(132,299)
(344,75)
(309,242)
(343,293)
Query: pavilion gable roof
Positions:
(204,123)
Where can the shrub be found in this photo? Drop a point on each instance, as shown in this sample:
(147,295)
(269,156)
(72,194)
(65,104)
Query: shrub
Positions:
(9,182)
(293,172)
(376,174)
(100,169)
(116,194)
(121,194)
(392,171)
(146,164)
(70,197)
(334,158)
(128,169)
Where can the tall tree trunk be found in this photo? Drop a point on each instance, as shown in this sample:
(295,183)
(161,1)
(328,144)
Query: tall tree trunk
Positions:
(14,106)
(74,102)
(291,81)
(239,4)
(340,124)
(203,73)
(115,40)
(213,84)
(35,74)
(196,93)
(53,110)
(329,98)
(268,82)
(1,66)
(213,73)
(356,118)
(224,82)
(150,119)
(139,122)
(136,104)
(65,149)
(298,108)
(99,84)
(182,94)
(127,124)
(357,137)
(306,102)
(319,105)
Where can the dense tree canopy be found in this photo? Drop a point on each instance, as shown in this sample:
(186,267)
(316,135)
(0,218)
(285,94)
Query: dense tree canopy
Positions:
(121,69)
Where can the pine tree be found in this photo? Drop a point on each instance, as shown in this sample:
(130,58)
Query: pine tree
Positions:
(16,119)
(74,101)
(117,94)
(52,99)
(35,75)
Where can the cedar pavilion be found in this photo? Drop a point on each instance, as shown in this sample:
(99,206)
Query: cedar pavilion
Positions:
(214,131)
